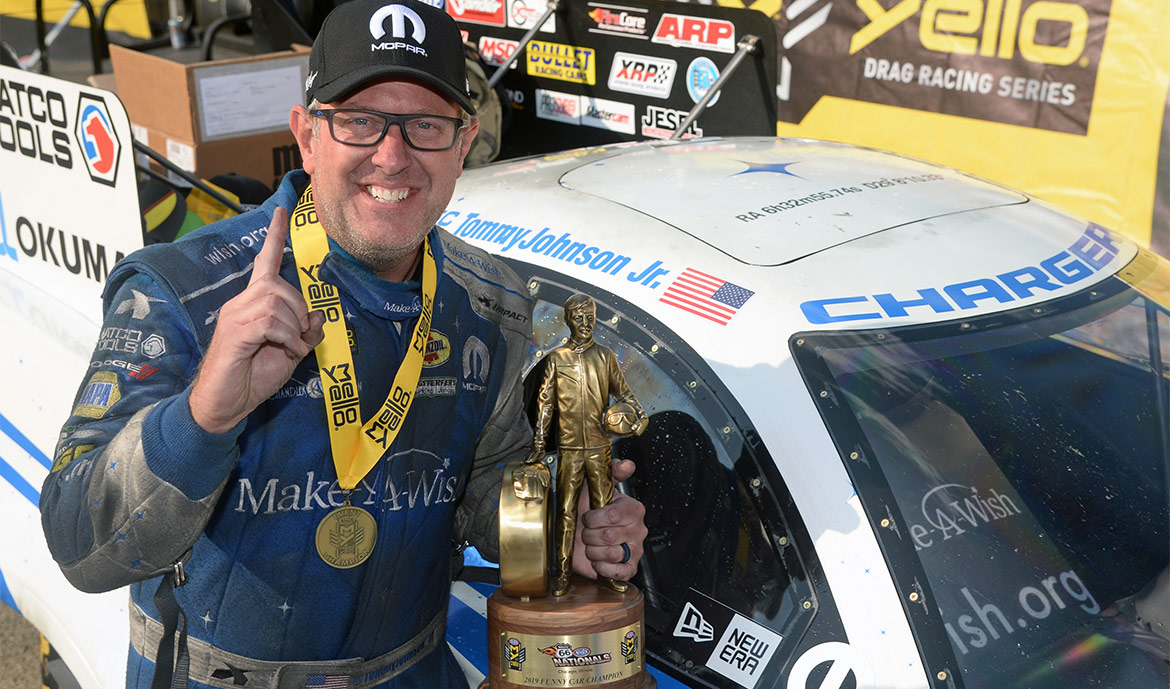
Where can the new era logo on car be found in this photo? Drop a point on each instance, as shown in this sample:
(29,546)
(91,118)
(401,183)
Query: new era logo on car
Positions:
(692,625)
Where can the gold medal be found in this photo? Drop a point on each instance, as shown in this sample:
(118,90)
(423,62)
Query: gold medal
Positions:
(345,537)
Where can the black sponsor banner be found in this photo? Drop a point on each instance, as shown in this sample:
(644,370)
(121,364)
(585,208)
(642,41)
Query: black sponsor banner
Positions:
(1031,63)
(623,71)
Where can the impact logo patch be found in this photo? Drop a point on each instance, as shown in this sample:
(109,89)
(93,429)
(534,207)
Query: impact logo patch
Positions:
(100,393)
(99,143)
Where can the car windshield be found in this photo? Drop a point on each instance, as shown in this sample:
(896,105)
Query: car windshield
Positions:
(1015,468)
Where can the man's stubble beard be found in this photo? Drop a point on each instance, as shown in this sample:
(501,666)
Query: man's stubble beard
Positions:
(379,257)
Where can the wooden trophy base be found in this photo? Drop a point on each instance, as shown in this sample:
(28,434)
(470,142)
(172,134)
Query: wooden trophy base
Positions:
(590,637)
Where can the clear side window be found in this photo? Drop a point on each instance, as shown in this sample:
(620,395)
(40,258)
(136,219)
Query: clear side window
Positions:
(1024,459)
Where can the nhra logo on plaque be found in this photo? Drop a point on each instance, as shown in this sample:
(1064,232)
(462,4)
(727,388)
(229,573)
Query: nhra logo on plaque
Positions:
(99,144)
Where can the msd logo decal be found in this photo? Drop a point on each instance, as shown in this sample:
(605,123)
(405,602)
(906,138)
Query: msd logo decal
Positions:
(99,143)
(496,51)
(642,75)
(700,33)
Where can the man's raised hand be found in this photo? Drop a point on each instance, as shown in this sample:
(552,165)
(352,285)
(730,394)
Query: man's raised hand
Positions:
(260,337)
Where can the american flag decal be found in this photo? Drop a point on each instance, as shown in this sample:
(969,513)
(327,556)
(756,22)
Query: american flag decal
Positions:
(327,682)
(706,295)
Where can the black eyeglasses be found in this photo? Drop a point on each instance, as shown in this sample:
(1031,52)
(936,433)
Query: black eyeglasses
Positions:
(367,127)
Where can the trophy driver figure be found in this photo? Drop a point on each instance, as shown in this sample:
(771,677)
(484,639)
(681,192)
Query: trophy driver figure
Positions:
(579,379)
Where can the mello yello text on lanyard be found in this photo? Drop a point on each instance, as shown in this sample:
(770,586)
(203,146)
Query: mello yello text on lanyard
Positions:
(356,448)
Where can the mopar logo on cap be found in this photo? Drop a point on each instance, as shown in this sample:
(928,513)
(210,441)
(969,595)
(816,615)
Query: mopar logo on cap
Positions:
(399,15)
(97,139)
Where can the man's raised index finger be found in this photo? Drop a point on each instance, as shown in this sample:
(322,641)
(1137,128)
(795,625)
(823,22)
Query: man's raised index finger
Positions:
(268,260)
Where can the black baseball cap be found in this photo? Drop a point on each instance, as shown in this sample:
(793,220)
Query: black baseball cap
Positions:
(364,40)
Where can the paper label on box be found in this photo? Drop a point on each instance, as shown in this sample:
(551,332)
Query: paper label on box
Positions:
(247,102)
(142,136)
(181,155)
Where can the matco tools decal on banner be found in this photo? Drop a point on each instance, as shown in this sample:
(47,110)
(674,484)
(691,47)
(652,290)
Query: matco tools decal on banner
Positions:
(68,197)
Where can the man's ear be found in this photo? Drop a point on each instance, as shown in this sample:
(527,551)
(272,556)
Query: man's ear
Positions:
(468,138)
(301,124)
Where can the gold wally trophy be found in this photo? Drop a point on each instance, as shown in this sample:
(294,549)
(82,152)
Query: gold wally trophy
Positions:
(586,633)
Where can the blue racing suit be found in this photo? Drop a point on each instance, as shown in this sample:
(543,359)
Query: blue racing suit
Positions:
(136,484)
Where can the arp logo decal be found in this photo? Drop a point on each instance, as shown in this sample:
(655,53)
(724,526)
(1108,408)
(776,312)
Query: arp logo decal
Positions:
(99,143)
(700,33)
(642,74)
(1031,63)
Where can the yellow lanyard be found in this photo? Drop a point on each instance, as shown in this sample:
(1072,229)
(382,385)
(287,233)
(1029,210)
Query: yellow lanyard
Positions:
(355,449)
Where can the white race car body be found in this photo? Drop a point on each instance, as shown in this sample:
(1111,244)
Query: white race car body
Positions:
(873,384)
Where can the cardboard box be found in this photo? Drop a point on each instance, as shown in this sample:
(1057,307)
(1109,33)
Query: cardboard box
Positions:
(216,117)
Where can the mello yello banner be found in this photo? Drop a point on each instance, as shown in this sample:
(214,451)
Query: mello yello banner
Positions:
(1065,99)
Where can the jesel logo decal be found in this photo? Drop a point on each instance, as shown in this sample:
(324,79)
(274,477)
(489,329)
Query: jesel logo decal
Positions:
(100,147)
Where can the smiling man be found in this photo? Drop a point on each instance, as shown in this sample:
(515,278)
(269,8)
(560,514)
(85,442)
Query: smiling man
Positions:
(281,445)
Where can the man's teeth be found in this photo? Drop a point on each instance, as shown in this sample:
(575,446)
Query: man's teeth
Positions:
(388,195)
